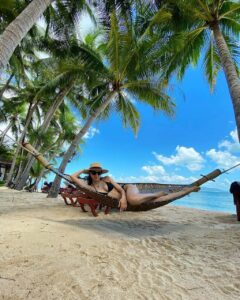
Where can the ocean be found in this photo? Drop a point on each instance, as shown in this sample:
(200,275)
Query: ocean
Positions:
(212,200)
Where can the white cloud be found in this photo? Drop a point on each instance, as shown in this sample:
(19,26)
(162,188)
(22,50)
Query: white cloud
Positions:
(168,179)
(91,133)
(178,179)
(225,156)
(154,170)
(223,159)
(233,145)
(157,173)
(187,157)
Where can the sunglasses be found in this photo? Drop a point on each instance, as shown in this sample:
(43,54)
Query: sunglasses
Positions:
(96,173)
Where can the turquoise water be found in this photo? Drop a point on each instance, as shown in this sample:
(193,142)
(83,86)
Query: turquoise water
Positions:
(209,200)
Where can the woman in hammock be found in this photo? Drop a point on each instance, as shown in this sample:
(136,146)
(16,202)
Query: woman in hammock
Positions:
(127,193)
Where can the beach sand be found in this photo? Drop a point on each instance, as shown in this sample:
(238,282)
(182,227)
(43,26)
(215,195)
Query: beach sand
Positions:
(52,251)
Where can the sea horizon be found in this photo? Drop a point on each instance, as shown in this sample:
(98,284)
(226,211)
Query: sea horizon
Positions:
(209,199)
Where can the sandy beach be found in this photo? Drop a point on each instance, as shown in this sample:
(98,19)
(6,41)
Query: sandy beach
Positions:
(51,251)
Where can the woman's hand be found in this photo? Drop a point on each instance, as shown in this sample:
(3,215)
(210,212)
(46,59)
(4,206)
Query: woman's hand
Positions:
(122,204)
(78,173)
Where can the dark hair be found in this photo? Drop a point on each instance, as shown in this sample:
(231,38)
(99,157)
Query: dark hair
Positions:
(89,180)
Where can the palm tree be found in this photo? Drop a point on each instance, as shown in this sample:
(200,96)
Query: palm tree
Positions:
(125,67)
(213,26)
(63,15)
(26,96)
(12,114)
(59,135)
(58,78)
(17,30)
(65,83)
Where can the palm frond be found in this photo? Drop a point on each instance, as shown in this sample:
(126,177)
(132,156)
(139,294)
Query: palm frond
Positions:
(234,50)
(130,115)
(113,46)
(7,5)
(152,94)
(230,26)
(60,80)
(188,52)
(211,63)
(229,8)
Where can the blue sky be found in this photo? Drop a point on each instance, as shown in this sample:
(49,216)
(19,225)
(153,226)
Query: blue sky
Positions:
(198,139)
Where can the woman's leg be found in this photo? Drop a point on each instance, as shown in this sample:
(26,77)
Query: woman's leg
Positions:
(176,195)
(134,197)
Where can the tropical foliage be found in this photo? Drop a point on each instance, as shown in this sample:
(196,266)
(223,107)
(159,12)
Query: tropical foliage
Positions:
(207,30)
(49,67)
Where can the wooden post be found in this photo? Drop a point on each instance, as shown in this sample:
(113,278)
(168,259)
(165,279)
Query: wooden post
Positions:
(236,196)
(207,177)
(38,155)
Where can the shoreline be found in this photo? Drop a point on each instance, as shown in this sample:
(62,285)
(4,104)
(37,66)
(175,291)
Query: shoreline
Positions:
(51,251)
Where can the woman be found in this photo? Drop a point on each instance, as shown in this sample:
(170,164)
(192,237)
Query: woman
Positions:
(128,193)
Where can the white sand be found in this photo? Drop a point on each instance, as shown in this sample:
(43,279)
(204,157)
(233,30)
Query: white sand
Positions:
(51,251)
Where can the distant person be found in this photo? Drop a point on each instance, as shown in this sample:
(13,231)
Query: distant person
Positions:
(46,187)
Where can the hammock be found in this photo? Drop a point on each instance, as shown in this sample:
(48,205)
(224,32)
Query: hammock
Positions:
(106,200)
(111,202)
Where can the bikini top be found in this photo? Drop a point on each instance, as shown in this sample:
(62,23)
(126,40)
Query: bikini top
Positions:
(110,188)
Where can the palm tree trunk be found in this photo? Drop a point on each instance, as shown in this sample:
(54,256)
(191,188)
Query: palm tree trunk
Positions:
(230,73)
(6,86)
(30,112)
(18,171)
(44,127)
(17,30)
(68,155)
(58,101)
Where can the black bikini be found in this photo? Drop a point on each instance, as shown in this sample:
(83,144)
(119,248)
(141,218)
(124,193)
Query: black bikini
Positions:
(110,188)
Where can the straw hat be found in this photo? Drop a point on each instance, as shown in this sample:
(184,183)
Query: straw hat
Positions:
(95,167)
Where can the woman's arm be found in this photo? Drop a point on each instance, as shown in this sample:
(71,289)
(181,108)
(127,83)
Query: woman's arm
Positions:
(123,200)
(76,174)
(80,182)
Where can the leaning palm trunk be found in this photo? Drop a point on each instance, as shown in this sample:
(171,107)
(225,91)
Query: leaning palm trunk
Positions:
(31,110)
(68,155)
(46,123)
(230,73)
(17,30)
(18,171)
(43,171)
